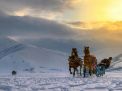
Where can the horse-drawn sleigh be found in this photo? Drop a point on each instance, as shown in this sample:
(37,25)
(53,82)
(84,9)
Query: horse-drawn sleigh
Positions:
(88,65)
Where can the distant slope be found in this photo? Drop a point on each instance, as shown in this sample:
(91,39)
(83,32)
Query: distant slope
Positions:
(41,57)
(116,60)
(6,43)
(29,58)
(116,64)
(11,49)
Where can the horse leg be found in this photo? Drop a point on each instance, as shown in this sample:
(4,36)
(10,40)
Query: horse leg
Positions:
(84,71)
(104,70)
(70,70)
(102,74)
(90,72)
(74,72)
(77,70)
(80,70)
(97,72)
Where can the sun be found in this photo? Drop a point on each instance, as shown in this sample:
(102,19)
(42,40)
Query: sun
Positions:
(114,11)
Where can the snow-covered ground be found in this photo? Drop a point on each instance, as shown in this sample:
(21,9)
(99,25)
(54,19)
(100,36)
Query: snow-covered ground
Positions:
(60,82)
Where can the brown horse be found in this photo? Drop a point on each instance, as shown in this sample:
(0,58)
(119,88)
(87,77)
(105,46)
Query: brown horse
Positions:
(106,62)
(74,62)
(90,62)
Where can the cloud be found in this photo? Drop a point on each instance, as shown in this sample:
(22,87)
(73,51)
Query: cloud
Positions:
(104,33)
(110,26)
(38,31)
(30,27)
(42,32)
(37,8)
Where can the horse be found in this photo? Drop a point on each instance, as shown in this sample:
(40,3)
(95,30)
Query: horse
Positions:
(106,62)
(90,62)
(75,63)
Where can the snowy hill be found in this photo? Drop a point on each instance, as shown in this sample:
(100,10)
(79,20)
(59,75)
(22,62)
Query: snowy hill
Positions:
(116,64)
(10,50)
(28,58)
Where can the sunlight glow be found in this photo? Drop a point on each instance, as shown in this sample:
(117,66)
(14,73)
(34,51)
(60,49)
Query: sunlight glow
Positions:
(22,12)
(98,10)
(115,10)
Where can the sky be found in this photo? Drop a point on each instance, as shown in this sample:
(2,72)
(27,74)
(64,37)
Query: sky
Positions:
(63,24)
(65,10)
